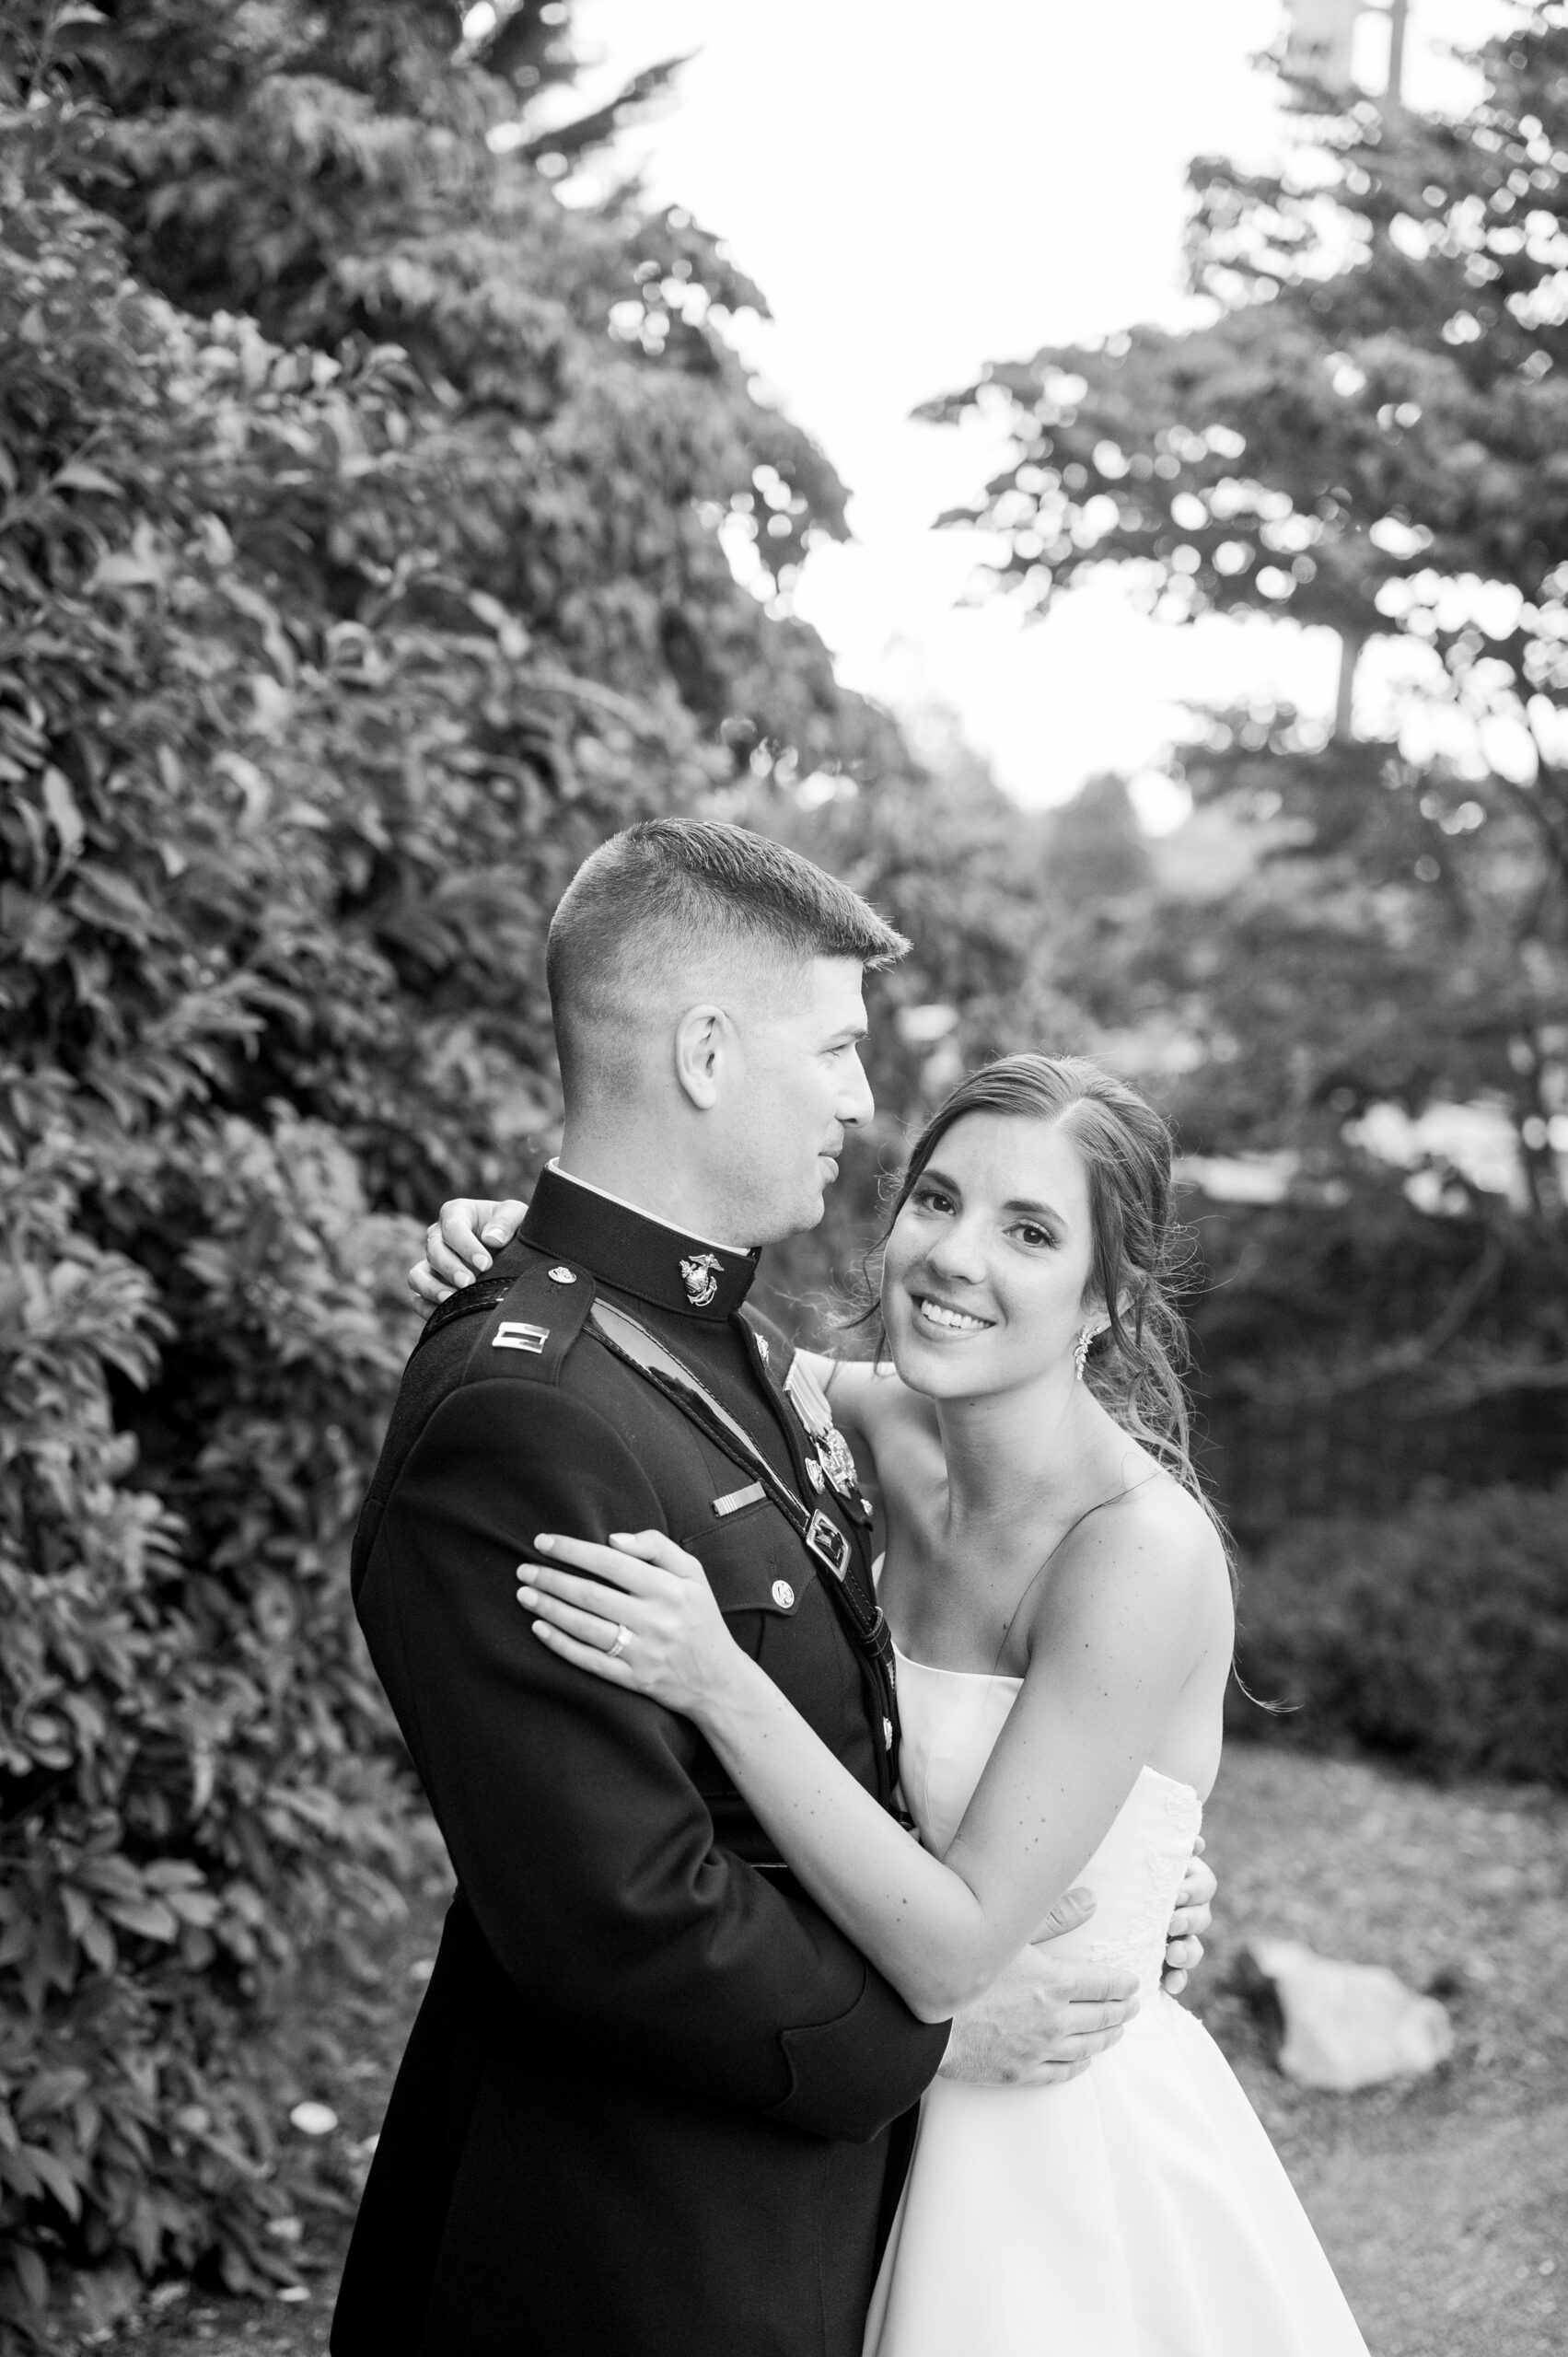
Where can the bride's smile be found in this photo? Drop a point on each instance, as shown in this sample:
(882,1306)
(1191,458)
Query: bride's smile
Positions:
(945,1319)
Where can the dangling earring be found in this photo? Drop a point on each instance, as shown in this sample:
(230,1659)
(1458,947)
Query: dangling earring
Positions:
(1081,1349)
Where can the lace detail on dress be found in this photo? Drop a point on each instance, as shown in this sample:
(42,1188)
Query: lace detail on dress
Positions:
(1170,1818)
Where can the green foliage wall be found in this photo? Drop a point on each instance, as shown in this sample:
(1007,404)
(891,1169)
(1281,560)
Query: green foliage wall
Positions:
(359,570)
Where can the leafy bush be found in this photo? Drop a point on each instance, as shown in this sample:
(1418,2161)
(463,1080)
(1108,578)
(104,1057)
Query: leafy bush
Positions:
(1439,1636)
(359,570)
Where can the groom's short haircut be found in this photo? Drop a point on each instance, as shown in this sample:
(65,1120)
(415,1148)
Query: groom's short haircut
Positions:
(673,896)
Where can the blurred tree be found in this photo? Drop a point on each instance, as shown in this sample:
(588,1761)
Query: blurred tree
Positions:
(1368,435)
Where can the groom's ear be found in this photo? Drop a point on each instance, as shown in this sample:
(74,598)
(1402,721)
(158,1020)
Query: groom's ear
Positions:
(701,1037)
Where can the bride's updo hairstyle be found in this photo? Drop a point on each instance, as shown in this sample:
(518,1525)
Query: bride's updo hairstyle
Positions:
(1133,1367)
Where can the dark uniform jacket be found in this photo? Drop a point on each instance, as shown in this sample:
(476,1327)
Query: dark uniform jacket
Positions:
(655,2105)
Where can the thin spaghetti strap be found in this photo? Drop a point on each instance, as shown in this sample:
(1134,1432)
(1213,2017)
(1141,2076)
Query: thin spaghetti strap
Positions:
(1045,1564)
(1072,1527)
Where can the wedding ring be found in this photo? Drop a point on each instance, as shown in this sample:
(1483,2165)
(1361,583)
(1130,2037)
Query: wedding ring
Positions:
(623,1639)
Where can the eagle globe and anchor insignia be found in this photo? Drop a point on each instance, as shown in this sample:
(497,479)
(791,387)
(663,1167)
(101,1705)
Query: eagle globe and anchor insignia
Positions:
(700,1277)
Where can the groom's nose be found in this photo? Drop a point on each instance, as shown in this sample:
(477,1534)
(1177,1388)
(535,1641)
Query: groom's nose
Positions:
(856,1103)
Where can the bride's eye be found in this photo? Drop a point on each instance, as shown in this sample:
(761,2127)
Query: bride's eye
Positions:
(1031,1234)
(933,1199)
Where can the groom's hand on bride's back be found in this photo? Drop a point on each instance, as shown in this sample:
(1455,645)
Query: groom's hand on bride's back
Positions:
(1194,1913)
(458,1244)
(1045,2017)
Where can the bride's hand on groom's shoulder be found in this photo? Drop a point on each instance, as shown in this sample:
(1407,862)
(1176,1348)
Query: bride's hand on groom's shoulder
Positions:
(456,1244)
(638,1613)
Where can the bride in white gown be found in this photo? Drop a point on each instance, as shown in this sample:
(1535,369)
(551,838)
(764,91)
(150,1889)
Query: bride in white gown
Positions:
(1061,1600)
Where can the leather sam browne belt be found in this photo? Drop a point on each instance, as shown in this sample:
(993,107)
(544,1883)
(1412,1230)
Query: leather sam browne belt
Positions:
(821,1537)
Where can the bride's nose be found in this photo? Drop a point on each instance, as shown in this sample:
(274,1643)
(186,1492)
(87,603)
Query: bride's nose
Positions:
(957,1255)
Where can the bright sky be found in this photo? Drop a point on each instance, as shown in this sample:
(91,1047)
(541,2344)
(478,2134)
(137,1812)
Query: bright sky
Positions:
(918,191)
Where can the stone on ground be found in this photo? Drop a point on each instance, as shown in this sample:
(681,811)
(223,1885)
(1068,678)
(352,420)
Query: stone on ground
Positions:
(1349,2026)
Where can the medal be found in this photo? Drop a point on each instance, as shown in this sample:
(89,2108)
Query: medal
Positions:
(838,1461)
(809,1400)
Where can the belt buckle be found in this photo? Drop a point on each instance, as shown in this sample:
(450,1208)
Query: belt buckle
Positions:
(827,1543)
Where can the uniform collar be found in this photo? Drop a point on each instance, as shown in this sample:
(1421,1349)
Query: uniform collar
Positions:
(635,1252)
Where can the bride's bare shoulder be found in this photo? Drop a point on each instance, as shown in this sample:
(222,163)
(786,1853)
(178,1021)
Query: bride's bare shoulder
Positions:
(1155,1536)
(1156,1506)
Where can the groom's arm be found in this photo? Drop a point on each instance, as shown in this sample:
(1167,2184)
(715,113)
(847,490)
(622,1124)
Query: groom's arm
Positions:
(578,1836)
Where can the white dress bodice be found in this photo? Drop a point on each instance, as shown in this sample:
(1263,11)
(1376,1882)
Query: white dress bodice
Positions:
(951,1719)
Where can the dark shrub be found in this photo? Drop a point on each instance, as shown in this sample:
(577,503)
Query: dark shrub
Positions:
(343,542)
(1438,1634)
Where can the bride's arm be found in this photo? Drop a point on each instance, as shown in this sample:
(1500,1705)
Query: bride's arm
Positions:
(1120,1630)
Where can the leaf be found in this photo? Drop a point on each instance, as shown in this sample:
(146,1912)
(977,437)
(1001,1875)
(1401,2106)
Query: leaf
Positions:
(98,1944)
(51,2091)
(76,476)
(253,784)
(146,2233)
(53,2173)
(63,816)
(123,571)
(33,2275)
(149,1917)
(509,630)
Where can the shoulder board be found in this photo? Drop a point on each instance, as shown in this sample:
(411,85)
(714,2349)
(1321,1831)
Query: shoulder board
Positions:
(524,1321)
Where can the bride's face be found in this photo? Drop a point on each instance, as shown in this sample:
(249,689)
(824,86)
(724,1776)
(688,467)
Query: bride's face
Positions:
(986,1278)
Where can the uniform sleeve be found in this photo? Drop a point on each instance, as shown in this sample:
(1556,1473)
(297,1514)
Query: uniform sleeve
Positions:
(581,1843)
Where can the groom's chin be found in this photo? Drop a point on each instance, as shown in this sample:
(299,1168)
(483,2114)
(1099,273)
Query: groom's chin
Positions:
(817,1212)
(800,1220)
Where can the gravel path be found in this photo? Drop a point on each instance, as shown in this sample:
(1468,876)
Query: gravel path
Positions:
(1441,2204)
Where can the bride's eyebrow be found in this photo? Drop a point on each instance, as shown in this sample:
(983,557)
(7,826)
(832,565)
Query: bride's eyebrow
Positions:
(1040,1212)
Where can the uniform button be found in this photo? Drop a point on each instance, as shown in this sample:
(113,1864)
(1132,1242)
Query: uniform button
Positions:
(784,1594)
(562,1276)
(763,1348)
(814,1473)
(887,1735)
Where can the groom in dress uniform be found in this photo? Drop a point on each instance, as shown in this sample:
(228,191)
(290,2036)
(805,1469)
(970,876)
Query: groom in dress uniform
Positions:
(654,2103)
